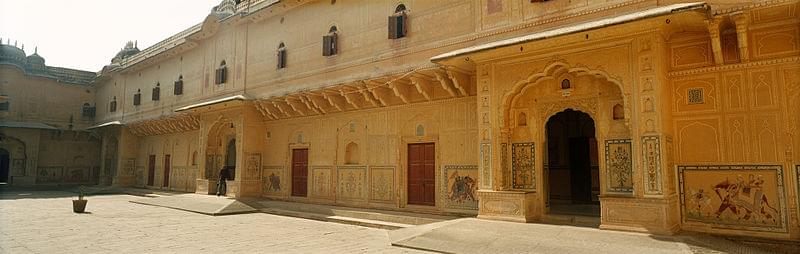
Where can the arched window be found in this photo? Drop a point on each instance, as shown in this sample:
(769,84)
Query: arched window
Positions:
(398,23)
(194,158)
(351,154)
(157,92)
(330,46)
(281,56)
(178,88)
(222,73)
(565,84)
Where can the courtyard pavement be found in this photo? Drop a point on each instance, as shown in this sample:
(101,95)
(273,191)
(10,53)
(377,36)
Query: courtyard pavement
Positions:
(43,222)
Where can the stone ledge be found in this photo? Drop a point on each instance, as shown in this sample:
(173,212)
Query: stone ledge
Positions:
(517,206)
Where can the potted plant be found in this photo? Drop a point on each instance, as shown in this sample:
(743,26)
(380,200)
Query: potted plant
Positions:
(79,205)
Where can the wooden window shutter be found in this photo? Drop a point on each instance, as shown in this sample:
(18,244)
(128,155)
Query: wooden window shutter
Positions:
(402,25)
(137,99)
(327,44)
(393,27)
(156,93)
(178,89)
(113,106)
(216,76)
(223,75)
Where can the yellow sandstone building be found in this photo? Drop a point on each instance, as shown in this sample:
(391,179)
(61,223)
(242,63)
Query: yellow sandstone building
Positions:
(658,116)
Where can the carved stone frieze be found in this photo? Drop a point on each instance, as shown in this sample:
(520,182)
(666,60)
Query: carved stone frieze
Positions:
(523,166)
(652,164)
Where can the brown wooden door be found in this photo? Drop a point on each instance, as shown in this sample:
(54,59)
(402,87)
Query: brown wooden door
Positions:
(299,172)
(422,174)
(151,170)
(166,170)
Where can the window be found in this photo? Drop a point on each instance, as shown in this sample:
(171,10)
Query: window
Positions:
(281,56)
(618,112)
(565,84)
(137,98)
(222,73)
(178,89)
(112,107)
(4,106)
(398,23)
(87,110)
(330,46)
(156,92)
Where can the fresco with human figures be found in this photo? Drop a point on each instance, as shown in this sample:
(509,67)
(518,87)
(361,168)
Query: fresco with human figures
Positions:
(737,196)
(271,180)
(461,185)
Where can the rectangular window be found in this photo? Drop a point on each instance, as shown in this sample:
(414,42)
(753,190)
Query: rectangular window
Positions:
(281,59)
(397,26)
(156,93)
(88,111)
(221,76)
(178,87)
(137,99)
(329,45)
(4,106)
(112,107)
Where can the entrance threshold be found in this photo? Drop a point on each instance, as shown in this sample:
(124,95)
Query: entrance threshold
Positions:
(572,220)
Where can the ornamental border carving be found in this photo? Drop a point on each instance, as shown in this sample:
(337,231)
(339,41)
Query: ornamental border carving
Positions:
(486,166)
(652,165)
(733,66)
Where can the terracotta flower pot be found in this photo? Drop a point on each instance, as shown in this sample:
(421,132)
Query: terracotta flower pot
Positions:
(79,206)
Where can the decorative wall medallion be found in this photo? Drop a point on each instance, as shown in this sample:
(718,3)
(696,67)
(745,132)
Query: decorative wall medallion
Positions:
(743,197)
(619,166)
(695,96)
(352,182)
(381,184)
(486,165)
(523,169)
(460,186)
(252,167)
(652,164)
(271,180)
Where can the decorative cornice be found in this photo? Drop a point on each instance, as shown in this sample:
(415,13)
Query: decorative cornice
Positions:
(734,66)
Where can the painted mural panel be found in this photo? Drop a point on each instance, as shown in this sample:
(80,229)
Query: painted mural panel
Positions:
(252,167)
(460,186)
(272,180)
(322,179)
(381,184)
(748,197)
(523,166)
(619,166)
(352,181)
(49,174)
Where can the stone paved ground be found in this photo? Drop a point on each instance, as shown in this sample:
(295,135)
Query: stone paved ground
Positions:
(43,222)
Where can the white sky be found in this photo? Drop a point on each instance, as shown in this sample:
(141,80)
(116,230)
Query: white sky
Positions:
(86,34)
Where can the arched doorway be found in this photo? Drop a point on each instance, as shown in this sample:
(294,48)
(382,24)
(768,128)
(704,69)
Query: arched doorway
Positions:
(5,159)
(230,158)
(572,164)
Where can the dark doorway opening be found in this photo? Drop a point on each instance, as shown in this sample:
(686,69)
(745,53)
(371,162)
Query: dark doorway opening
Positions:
(300,172)
(151,170)
(5,160)
(422,174)
(572,165)
(230,159)
(167,165)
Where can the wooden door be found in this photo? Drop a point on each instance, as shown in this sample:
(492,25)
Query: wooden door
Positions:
(422,174)
(299,172)
(151,170)
(167,167)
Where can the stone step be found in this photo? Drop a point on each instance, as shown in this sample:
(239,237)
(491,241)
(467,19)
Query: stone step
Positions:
(572,220)
(358,213)
(337,219)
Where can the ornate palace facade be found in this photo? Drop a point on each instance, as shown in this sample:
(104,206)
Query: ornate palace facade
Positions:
(654,116)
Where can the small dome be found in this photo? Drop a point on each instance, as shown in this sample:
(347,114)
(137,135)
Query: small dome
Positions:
(129,50)
(35,59)
(226,7)
(11,52)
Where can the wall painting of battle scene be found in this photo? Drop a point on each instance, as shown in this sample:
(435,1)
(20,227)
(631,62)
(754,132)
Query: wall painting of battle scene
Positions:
(745,197)
(271,180)
(460,186)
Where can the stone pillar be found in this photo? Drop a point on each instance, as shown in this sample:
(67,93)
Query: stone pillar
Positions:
(716,44)
(250,144)
(742,21)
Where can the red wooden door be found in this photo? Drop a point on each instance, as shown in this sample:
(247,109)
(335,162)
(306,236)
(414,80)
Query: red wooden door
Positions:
(151,170)
(166,170)
(299,172)
(422,174)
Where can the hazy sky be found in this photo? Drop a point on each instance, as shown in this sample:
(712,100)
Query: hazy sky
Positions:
(86,34)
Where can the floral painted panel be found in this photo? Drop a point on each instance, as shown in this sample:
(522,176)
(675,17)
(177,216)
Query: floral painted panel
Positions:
(619,166)
(746,197)
(523,164)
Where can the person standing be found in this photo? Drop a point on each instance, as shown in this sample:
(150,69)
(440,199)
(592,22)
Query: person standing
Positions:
(222,185)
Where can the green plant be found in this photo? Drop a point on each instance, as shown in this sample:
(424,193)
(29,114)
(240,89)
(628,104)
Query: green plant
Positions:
(81,192)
